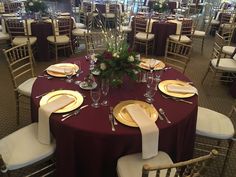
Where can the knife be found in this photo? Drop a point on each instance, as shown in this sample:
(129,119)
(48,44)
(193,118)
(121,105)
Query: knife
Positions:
(160,116)
(66,116)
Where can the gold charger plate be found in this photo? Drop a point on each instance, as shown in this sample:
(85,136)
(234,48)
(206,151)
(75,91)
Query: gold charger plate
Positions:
(78,99)
(63,65)
(144,64)
(162,86)
(122,115)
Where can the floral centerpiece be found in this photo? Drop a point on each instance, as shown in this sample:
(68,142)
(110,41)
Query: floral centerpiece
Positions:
(35,6)
(117,61)
(160,6)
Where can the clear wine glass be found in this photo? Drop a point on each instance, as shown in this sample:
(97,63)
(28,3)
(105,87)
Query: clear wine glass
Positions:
(78,72)
(151,91)
(149,81)
(152,64)
(69,73)
(95,96)
(105,90)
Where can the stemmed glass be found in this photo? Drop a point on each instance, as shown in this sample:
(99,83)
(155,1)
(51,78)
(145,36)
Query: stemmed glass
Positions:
(79,71)
(69,73)
(149,81)
(95,96)
(152,64)
(105,90)
(151,91)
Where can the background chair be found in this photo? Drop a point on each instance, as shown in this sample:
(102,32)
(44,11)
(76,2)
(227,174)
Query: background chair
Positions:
(61,39)
(162,165)
(185,32)
(95,42)
(177,54)
(216,126)
(19,59)
(223,69)
(21,149)
(142,33)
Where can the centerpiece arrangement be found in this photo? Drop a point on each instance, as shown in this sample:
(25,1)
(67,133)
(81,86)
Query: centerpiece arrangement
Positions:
(117,61)
(160,6)
(35,6)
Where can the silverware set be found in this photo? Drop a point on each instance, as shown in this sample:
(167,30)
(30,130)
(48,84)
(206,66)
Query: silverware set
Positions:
(74,113)
(177,99)
(112,119)
(39,96)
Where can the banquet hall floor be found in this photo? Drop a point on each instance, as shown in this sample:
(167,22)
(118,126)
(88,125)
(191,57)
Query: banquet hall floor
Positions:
(217,98)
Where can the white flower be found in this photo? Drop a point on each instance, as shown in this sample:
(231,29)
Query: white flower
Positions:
(115,54)
(135,71)
(103,66)
(93,57)
(31,3)
(160,5)
(131,58)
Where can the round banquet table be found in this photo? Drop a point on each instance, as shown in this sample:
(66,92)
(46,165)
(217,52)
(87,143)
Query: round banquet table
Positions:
(86,146)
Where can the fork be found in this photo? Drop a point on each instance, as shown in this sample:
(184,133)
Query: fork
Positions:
(111,112)
(39,96)
(112,123)
(176,99)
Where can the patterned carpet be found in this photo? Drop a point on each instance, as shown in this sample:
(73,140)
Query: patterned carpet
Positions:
(217,98)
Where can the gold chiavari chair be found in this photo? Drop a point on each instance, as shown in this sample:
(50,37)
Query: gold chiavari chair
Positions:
(177,54)
(162,165)
(223,69)
(61,39)
(19,59)
(142,33)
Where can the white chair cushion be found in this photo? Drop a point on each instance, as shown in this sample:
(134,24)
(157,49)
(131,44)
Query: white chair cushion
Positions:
(23,39)
(213,124)
(184,39)
(143,36)
(26,87)
(125,29)
(22,148)
(226,64)
(108,15)
(229,50)
(4,36)
(199,33)
(79,32)
(226,25)
(131,165)
(80,25)
(61,39)
(215,22)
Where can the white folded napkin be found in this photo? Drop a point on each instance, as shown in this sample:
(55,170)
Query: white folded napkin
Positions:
(44,114)
(149,62)
(181,89)
(149,130)
(57,69)
(149,28)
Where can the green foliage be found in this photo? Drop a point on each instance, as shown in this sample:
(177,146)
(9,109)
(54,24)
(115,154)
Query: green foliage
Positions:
(116,62)
(35,6)
(160,6)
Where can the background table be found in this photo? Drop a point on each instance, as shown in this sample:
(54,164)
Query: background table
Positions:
(86,146)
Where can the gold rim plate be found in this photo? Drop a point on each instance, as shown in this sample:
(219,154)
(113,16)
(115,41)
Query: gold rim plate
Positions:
(162,87)
(63,65)
(78,99)
(121,114)
(144,64)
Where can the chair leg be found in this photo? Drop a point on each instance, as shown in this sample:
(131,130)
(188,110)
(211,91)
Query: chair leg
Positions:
(17,108)
(230,146)
(202,45)
(146,50)
(203,79)
(56,53)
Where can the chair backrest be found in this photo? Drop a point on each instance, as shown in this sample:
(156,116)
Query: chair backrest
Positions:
(16,27)
(225,18)
(19,59)
(62,26)
(142,24)
(95,42)
(177,54)
(87,7)
(191,168)
(11,7)
(186,27)
(217,47)
(227,33)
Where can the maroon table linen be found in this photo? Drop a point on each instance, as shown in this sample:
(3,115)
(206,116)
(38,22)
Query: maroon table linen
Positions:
(86,146)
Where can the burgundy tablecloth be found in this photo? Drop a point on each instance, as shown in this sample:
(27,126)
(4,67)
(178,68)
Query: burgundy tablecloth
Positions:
(86,146)
(42,30)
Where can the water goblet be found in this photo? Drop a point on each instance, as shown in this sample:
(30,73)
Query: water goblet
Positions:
(69,73)
(151,91)
(149,81)
(105,90)
(152,64)
(95,96)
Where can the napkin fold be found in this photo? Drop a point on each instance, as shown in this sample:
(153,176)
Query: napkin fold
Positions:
(147,63)
(181,89)
(57,69)
(148,128)
(44,114)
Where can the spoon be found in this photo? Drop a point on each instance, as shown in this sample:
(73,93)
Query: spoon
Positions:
(162,112)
